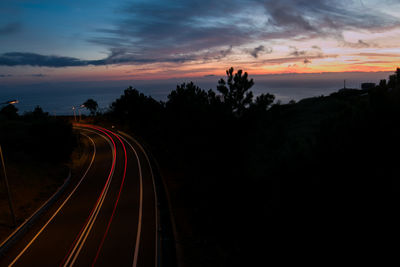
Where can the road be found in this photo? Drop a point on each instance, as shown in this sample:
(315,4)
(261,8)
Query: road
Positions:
(108,215)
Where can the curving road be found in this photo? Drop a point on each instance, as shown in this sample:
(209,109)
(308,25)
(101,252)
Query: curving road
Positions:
(107,217)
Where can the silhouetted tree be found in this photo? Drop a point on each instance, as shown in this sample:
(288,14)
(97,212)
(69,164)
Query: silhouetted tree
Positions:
(394,80)
(133,104)
(329,153)
(91,105)
(235,91)
(192,113)
(142,114)
(9,111)
(38,112)
(382,83)
(190,98)
(397,76)
(263,102)
(36,137)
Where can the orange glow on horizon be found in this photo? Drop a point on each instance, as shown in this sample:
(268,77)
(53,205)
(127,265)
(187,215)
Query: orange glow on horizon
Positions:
(329,59)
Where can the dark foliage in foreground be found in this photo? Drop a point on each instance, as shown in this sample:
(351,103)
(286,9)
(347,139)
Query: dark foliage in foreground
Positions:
(255,175)
(34,137)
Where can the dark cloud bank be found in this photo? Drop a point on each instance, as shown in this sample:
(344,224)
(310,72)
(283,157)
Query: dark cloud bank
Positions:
(169,28)
(182,31)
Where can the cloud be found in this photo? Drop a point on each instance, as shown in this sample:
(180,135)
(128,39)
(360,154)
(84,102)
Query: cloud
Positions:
(32,59)
(377,55)
(213,55)
(372,62)
(325,17)
(122,56)
(257,50)
(10,28)
(177,31)
(359,44)
(284,14)
(296,59)
(37,60)
(116,56)
(39,75)
(306,55)
(170,28)
(296,52)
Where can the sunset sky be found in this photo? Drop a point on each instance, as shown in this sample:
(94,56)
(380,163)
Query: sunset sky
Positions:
(96,40)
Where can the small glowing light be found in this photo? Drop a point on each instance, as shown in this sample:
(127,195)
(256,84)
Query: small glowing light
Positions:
(12,102)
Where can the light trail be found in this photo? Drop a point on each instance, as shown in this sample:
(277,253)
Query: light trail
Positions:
(116,202)
(154,188)
(139,230)
(77,245)
(80,240)
(58,210)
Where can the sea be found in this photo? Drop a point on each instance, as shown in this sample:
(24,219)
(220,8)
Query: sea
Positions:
(59,98)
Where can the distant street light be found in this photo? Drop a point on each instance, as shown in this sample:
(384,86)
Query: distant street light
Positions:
(13,102)
(10,102)
(79,111)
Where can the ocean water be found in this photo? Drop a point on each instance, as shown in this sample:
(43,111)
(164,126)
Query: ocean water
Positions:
(61,102)
(59,98)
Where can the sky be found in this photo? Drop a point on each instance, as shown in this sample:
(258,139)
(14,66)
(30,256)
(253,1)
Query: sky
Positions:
(56,41)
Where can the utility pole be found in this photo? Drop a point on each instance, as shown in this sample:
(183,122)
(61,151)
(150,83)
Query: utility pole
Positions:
(73,108)
(8,189)
(80,115)
(344,84)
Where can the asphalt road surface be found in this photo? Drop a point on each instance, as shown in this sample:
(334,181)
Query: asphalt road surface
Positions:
(106,217)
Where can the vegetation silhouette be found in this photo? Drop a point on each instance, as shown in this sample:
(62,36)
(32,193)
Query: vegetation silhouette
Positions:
(9,112)
(235,91)
(246,173)
(35,136)
(37,113)
(36,149)
(91,105)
